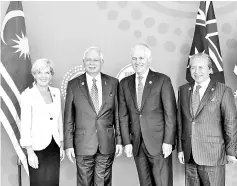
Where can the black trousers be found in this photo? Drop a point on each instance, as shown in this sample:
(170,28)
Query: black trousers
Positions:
(94,170)
(202,175)
(153,170)
(49,166)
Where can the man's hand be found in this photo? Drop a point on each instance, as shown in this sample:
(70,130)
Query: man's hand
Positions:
(231,159)
(70,153)
(128,150)
(167,149)
(181,157)
(119,150)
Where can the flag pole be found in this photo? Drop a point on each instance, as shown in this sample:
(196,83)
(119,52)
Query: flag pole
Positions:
(19,171)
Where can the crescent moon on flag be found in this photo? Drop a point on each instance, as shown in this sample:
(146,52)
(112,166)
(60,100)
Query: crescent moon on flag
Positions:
(9,15)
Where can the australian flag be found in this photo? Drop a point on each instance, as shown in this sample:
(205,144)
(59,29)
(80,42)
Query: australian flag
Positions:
(206,40)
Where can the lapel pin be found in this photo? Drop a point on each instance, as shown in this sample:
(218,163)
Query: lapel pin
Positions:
(82,83)
(111,94)
(105,83)
(54,95)
(190,88)
(212,89)
(150,82)
(214,99)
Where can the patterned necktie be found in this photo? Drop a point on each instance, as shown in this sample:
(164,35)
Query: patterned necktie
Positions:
(195,100)
(139,91)
(95,95)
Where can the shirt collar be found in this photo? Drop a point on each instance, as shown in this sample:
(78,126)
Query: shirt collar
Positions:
(89,78)
(143,75)
(204,84)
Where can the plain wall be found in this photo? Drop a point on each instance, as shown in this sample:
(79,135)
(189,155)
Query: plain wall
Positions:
(62,31)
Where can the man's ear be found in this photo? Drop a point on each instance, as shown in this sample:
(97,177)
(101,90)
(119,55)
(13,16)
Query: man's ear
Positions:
(150,59)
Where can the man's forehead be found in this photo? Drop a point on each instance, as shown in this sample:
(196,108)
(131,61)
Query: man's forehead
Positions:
(139,52)
(93,52)
(199,62)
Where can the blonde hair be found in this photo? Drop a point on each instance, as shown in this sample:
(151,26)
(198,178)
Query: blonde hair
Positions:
(42,63)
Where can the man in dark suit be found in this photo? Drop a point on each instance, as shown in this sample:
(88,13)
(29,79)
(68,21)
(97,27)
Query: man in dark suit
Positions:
(91,123)
(147,112)
(207,122)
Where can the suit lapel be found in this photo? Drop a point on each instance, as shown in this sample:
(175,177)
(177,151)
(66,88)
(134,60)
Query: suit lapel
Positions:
(105,90)
(208,93)
(82,83)
(189,93)
(151,77)
(132,87)
(53,94)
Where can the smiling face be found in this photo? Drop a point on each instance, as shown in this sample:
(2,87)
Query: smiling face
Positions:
(140,59)
(43,77)
(199,69)
(93,62)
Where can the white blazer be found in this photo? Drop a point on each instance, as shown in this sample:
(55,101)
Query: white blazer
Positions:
(36,126)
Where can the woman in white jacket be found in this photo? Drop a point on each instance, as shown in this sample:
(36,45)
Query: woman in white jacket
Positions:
(41,126)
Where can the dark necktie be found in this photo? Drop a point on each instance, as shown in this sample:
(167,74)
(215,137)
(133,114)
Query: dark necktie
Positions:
(139,91)
(95,95)
(195,100)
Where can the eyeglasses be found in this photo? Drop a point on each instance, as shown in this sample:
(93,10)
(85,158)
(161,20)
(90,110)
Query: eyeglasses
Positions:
(88,60)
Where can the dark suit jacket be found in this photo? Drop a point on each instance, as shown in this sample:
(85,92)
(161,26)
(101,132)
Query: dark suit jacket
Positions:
(210,133)
(83,128)
(156,120)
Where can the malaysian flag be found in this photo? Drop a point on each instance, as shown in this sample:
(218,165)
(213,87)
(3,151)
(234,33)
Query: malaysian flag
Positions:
(206,40)
(15,66)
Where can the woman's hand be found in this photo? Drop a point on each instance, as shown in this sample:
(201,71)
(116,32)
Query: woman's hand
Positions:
(32,158)
(62,153)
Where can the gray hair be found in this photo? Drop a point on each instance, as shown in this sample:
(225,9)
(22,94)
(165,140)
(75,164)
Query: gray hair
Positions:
(93,48)
(202,56)
(147,50)
(42,63)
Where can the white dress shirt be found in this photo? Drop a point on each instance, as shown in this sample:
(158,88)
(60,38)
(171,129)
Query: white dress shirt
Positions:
(89,80)
(203,88)
(36,128)
(143,79)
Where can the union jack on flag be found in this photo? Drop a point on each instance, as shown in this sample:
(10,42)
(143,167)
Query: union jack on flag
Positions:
(206,40)
(15,67)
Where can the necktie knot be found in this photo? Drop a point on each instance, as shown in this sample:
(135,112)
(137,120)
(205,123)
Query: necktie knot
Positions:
(140,78)
(198,87)
(94,80)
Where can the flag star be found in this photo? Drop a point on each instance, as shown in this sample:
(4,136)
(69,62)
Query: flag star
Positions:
(22,45)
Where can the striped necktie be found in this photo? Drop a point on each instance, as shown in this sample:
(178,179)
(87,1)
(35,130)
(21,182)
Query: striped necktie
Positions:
(95,95)
(195,100)
(139,91)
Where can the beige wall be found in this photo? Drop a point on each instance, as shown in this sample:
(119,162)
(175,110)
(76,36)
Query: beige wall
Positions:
(61,31)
